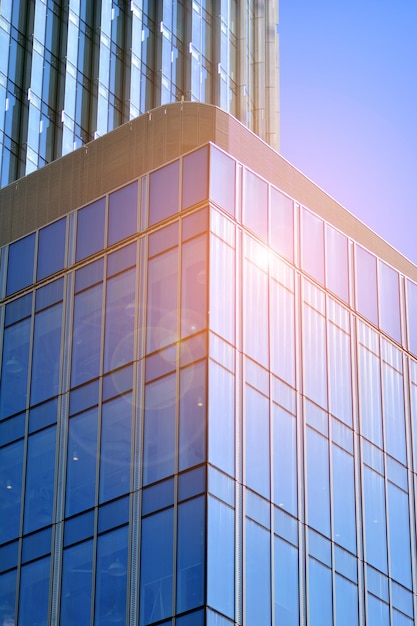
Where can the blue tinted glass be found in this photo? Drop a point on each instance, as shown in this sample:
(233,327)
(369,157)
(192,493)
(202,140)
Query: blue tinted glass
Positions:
(163,192)
(114,514)
(375,519)
(190,555)
(89,275)
(120,317)
(40,478)
(121,259)
(156,567)
(320,594)
(193,414)
(221,418)
(344,519)
(116,423)
(257,441)
(221,557)
(36,545)
(51,249)
(77,569)
(46,354)
(284,460)
(389,301)
(84,397)
(12,429)
(111,578)
(196,618)
(158,496)
(81,462)
(378,612)
(78,528)
(43,415)
(159,429)
(49,294)
(194,286)
(286,583)
(258,575)
(11,462)
(117,383)
(123,213)
(191,483)
(18,309)
(7,597)
(162,300)
(90,229)
(337,263)
(87,335)
(195,177)
(34,592)
(13,381)
(318,499)
(20,265)
(399,535)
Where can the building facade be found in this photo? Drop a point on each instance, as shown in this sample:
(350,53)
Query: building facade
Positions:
(208,393)
(72,71)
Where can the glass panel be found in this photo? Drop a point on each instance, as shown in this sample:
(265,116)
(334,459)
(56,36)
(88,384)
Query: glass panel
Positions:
(7,598)
(51,249)
(123,212)
(191,550)
(164,192)
(393,401)
(116,426)
(87,335)
(312,245)
(412,316)
(281,231)
(13,382)
(77,571)
(314,346)
(319,594)
(399,536)
(282,331)
(222,289)
(111,578)
(194,286)
(284,460)
(370,385)
(193,416)
(337,263)
(347,609)
(220,557)
(222,180)
(159,429)
(90,229)
(343,485)
(11,461)
(255,207)
(20,265)
(255,310)
(375,520)
(46,354)
(257,463)
(285,584)
(318,491)
(81,462)
(340,376)
(120,318)
(221,419)
(258,576)
(366,285)
(34,592)
(195,177)
(162,300)
(40,479)
(156,567)
(378,612)
(389,301)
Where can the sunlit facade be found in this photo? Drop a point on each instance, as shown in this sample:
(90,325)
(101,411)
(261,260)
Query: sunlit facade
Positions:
(71,72)
(208,392)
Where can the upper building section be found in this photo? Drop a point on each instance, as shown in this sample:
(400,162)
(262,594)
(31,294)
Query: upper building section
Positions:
(71,72)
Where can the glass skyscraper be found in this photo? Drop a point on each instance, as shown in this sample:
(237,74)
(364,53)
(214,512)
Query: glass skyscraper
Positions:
(72,71)
(208,393)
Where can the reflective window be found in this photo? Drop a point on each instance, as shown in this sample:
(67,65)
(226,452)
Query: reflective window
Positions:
(255,309)
(221,421)
(164,192)
(7,597)
(399,535)
(191,554)
(285,583)
(116,426)
(194,286)
(318,488)
(222,289)
(90,229)
(11,462)
(258,575)
(111,577)
(40,474)
(337,263)
(220,557)
(51,249)
(257,464)
(369,384)
(20,265)
(222,180)
(195,177)
(123,213)
(81,462)
(255,205)
(393,401)
(389,301)
(412,316)
(319,594)
(119,322)
(339,351)
(378,611)
(162,300)
(375,519)
(281,231)
(343,488)
(282,344)
(346,600)
(159,429)
(312,245)
(314,345)
(366,284)
(77,572)
(34,592)
(156,567)
(193,415)
(284,460)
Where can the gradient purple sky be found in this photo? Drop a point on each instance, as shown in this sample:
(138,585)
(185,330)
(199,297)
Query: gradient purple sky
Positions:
(349,107)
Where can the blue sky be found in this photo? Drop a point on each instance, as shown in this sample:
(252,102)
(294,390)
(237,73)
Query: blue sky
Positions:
(349,107)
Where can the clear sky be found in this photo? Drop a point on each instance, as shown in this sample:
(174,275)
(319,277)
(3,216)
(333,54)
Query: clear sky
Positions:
(349,107)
